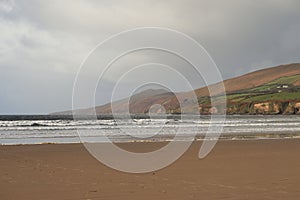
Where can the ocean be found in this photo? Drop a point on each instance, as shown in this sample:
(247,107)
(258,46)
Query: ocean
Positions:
(39,129)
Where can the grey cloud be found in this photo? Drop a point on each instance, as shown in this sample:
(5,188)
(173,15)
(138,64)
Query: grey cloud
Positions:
(43,43)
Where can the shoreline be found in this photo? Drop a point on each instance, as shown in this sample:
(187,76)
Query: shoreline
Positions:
(18,117)
(235,169)
(200,138)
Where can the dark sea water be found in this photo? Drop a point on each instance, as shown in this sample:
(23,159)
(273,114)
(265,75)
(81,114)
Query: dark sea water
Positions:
(63,129)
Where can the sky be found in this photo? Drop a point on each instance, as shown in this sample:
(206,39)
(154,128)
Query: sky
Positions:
(43,43)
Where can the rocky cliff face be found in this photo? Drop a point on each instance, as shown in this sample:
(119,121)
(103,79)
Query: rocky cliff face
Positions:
(266,108)
(270,108)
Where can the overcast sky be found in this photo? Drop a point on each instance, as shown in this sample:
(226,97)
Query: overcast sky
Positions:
(42,43)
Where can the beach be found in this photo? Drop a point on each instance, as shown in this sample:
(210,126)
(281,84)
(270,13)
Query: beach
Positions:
(252,169)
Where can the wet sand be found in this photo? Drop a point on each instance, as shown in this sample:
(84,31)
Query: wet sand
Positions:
(257,169)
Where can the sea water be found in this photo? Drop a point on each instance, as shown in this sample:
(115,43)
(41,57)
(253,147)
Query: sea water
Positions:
(62,129)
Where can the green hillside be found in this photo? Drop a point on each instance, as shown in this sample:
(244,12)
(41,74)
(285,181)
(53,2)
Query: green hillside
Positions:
(274,90)
(278,96)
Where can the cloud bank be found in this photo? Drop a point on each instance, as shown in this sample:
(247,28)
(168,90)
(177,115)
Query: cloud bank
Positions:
(42,44)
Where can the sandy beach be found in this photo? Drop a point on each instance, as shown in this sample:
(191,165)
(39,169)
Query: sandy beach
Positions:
(257,169)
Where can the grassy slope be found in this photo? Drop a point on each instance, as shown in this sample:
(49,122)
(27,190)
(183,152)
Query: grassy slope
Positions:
(258,86)
(272,91)
(284,89)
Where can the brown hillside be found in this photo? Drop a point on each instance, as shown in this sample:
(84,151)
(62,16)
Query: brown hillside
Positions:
(255,79)
(140,103)
(243,82)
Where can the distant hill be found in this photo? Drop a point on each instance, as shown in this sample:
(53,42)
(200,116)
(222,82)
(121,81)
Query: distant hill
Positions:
(274,90)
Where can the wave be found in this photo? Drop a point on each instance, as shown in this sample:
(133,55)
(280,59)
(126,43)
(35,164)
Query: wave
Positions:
(66,130)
